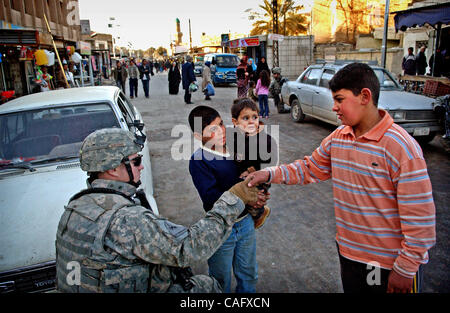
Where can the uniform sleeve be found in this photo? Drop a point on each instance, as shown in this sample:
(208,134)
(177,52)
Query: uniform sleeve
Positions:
(156,240)
(417,216)
(311,169)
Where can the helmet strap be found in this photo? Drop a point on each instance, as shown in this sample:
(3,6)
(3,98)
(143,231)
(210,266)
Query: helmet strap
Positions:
(127,164)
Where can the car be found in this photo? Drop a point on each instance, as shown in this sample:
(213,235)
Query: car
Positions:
(223,67)
(41,135)
(198,68)
(310,95)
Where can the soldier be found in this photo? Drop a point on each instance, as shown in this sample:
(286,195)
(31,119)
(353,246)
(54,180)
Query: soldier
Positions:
(109,239)
(275,88)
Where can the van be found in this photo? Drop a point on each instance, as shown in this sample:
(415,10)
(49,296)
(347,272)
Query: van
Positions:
(223,67)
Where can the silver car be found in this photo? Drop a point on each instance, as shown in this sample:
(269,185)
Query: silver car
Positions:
(40,140)
(310,95)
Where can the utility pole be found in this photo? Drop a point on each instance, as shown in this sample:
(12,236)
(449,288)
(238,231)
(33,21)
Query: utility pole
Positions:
(385,34)
(190,37)
(275,31)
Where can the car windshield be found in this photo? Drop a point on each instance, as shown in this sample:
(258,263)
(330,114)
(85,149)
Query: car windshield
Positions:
(198,64)
(50,134)
(227,61)
(387,82)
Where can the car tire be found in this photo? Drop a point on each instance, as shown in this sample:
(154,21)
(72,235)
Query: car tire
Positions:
(297,114)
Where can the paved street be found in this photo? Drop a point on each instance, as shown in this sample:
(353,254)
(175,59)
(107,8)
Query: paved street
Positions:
(296,251)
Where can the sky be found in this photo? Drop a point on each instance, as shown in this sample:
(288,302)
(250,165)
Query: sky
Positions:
(150,23)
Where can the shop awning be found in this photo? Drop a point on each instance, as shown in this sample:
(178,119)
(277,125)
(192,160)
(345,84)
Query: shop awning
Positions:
(19,37)
(432,15)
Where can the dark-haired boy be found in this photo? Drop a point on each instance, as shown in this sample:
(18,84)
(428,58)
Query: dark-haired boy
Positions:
(384,208)
(213,169)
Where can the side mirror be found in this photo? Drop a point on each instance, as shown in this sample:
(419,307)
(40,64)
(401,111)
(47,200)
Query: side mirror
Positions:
(388,83)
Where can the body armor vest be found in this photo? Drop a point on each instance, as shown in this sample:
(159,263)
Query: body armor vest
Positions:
(82,262)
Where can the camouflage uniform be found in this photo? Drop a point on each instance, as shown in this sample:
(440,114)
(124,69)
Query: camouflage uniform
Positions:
(121,246)
(275,89)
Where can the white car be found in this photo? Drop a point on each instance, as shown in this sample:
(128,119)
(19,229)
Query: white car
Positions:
(310,95)
(40,139)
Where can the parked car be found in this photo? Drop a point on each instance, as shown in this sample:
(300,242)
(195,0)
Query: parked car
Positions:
(223,67)
(198,68)
(310,95)
(40,138)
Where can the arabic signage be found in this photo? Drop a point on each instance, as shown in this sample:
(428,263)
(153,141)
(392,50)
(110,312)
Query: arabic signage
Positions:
(244,42)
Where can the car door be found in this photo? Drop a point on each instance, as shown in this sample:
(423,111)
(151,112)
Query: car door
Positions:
(323,100)
(305,89)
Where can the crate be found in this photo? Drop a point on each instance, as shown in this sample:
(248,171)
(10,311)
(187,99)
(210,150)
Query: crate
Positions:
(435,88)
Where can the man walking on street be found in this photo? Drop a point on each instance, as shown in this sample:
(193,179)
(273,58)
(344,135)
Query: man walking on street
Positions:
(145,71)
(409,62)
(188,77)
(120,76)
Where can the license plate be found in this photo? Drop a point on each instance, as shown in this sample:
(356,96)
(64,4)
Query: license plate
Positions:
(421,131)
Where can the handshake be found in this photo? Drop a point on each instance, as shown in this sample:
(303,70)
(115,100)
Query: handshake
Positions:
(252,190)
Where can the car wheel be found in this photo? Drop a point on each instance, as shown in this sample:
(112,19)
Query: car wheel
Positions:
(297,114)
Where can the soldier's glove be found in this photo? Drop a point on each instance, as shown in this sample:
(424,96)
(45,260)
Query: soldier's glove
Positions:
(245,193)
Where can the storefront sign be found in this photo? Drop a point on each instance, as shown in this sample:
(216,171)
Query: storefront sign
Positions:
(276,37)
(244,42)
(85,47)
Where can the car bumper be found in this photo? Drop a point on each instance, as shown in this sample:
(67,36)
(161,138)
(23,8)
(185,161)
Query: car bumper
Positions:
(421,129)
(224,80)
(35,278)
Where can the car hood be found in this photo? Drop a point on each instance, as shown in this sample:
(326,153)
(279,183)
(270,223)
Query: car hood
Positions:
(400,100)
(31,205)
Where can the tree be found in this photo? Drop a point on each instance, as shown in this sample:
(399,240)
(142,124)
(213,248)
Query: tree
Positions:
(354,12)
(292,22)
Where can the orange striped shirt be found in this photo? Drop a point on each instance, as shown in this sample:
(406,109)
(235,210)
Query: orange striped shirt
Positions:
(383,200)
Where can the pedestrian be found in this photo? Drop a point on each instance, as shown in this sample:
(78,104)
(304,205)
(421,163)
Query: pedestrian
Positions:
(133,74)
(174,77)
(242,78)
(251,70)
(120,75)
(409,62)
(261,66)
(262,90)
(275,88)
(206,78)
(145,71)
(251,93)
(69,75)
(438,67)
(213,171)
(253,147)
(421,61)
(110,233)
(188,77)
(383,201)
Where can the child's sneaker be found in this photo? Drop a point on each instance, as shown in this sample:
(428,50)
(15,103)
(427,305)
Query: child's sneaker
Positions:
(259,221)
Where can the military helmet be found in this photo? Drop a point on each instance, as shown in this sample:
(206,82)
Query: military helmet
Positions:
(276,70)
(105,149)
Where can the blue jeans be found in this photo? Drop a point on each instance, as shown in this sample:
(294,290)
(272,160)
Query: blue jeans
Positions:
(237,252)
(263,105)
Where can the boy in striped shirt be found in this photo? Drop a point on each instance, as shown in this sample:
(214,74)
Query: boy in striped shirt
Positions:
(383,202)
